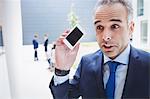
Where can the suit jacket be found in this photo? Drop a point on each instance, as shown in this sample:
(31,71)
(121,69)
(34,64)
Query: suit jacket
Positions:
(46,42)
(88,80)
(35,44)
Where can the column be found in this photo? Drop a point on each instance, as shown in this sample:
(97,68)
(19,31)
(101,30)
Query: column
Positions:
(12,35)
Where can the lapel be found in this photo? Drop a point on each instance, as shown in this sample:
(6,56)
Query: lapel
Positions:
(99,74)
(133,63)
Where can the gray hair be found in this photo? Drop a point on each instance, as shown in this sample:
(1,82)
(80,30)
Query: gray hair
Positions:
(126,3)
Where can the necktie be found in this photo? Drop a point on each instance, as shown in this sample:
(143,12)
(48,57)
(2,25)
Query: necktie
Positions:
(110,86)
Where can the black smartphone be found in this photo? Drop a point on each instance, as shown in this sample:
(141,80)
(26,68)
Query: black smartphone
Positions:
(73,37)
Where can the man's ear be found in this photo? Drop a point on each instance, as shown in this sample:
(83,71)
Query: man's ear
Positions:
(131,28)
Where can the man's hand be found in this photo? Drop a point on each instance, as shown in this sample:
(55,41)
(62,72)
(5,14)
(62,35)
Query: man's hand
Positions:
(64,56)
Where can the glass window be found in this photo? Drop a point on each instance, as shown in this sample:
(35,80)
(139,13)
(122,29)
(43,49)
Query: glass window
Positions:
(144,30)
(1,38)
(140,7)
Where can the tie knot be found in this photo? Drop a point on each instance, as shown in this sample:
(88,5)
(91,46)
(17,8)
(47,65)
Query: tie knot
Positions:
(113,66)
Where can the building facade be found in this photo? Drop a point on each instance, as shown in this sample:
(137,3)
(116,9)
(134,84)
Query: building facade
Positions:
(51,17)
(141,35)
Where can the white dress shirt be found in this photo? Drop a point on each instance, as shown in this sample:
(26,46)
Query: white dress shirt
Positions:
(121,71)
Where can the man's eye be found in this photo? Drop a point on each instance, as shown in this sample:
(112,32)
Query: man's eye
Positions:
(115,26)
(99,27)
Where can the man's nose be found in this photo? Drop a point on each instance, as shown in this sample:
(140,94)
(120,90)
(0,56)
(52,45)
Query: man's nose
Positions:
(107,36)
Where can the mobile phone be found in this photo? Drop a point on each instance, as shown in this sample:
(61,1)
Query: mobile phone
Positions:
(73,36)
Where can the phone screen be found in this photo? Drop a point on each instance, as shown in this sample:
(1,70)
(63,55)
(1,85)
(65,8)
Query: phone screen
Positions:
(74,36)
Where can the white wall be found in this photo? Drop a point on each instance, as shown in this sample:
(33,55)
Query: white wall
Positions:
(4,81)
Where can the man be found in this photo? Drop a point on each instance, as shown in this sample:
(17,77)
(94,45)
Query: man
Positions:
(116,71)
(51,58)
(45,43)
(35,46)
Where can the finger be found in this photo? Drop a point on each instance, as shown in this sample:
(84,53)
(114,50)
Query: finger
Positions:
(61,37)
(59,41)
(67,31)
(64,34)
(76,48)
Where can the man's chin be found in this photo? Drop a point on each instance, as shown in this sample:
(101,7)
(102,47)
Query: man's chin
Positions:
(110,54)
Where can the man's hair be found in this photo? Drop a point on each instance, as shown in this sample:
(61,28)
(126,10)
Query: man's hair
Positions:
(35,35)
(126,3)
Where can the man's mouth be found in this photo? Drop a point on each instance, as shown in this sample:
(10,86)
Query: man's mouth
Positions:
(108,48)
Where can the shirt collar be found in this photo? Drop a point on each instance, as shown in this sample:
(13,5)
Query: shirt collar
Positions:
(122,58)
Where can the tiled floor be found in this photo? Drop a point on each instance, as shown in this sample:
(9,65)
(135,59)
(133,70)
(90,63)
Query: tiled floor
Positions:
(35,76)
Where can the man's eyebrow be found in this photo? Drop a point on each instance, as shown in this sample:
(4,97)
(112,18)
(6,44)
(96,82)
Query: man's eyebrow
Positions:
(117,20)
(95,22)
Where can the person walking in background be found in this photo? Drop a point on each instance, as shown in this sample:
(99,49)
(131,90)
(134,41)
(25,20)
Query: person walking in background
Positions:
(53,54)
(35,46)
(45,45)
(116,71)
(51,57)
(45,42)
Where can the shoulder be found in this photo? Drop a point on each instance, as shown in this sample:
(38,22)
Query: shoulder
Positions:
(92,56)
(141,54)
(90,62)
(33,40)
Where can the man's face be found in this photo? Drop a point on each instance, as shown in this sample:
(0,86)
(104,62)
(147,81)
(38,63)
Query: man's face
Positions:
(113,32)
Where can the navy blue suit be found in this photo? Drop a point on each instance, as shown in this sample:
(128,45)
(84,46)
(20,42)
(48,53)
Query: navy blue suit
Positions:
(35,44)
(46,44)
(88,80)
